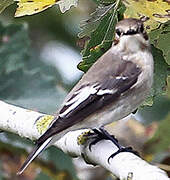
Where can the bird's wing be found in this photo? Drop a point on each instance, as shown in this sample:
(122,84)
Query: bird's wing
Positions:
(91,97)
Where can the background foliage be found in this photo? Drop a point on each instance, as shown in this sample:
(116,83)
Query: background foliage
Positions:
(27,79)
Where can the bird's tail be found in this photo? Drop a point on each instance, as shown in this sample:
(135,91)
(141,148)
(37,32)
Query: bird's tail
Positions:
(36,151)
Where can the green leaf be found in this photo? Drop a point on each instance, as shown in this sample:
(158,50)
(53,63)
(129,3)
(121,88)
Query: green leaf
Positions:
(161,71)
(160,76)
(102,37)
(4,4)
(160,39)
(14,47)
(160,141)
(90,25)
(95,53)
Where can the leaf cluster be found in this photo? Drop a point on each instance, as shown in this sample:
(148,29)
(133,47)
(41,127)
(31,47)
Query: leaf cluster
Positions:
(100,30)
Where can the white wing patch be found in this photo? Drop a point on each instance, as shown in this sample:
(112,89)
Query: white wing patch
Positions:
(106,91)
(121,77)
(81,96)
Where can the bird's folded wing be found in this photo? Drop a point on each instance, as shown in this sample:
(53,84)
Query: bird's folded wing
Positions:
(92,96)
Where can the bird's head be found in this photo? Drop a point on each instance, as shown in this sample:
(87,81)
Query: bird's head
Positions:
(131,32)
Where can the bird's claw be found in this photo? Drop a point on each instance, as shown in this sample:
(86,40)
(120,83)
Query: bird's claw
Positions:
(96,135)
(103,135)
(97,139)
(124,149)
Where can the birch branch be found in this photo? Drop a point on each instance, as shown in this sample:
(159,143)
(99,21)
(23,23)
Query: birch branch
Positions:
(125,165)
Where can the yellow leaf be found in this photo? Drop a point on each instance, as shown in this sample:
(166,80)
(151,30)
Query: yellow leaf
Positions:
(158,11)
(29,7)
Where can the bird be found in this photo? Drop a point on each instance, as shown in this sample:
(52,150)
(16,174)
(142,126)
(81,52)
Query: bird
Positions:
(113,87)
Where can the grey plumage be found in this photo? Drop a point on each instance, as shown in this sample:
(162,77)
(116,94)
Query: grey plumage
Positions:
(111,89)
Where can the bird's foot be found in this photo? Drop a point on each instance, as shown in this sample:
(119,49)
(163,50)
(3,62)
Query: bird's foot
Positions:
(103,134)
(124,149)
(110,137)
(94,135)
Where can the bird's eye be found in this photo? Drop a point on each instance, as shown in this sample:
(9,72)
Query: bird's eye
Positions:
(118,32)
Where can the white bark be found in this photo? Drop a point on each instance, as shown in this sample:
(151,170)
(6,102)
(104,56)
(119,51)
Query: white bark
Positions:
(124,165)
